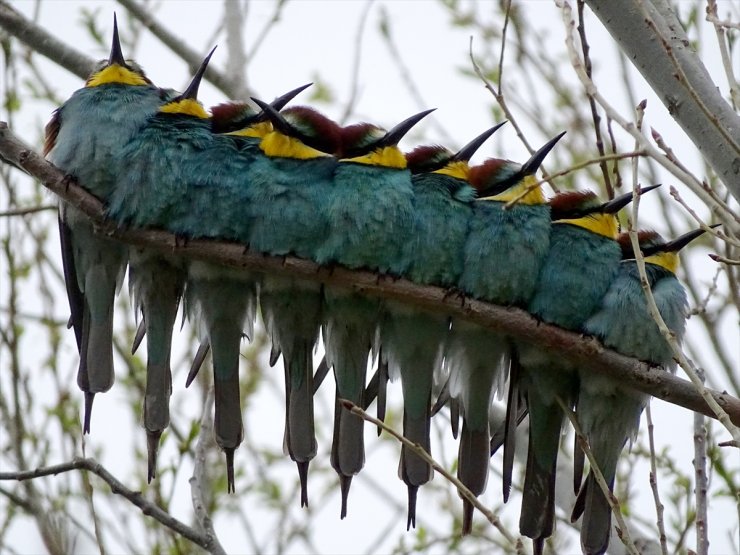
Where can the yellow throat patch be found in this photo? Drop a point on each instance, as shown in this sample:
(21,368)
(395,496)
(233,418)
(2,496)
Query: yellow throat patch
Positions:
(258,130)
(667,260)
(277,145)
(459,170)
(532,197)
(601,224)
(186,106)
(388,157)
(115,74)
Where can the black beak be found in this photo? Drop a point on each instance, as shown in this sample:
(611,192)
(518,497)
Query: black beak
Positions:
(678,243)
(116,54)
(616,204)
(529,167)
(278,121)
(280,102)
(394,136)
(192,90)
(466,152)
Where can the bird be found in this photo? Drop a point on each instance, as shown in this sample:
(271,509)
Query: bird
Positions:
(150,173)
(581,263)
(289,182)
(609,415)
(370,215)
(245,127)
(83,139)
(503,252)
(413,339)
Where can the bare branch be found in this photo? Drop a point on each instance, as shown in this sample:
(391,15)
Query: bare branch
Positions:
(587,352)
(147,507)
(199,479)
(426,457)
(43,42)
(678,76)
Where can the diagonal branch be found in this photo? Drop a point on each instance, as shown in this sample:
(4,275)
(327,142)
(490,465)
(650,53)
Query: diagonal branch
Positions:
(204,540)
(46,44)
(584,351)
(651,36)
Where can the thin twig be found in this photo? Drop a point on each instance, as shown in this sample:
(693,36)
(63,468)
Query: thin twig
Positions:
(421,453)
(700,485)
(199,479)
(659,508)
(719,29)
(230,86)
(26,211)
(46,44)
(622,530)
(501,100)
(592,102)
(683,361)
(685,177)
(571,169)
(147,507)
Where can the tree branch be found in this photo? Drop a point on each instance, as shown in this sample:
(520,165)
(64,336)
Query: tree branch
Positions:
(39,40)
(147,507)
(584,351)
(657,45)
(231,87)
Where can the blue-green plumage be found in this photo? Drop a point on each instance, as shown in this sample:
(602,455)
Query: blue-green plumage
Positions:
(83,139)
(288,184)
(610,415)
(503,253)
(576,273)
(195,189)
(413,339)
(370,213)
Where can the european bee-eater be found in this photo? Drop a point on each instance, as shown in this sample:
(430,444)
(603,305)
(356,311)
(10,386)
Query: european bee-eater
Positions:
(291,180)
(580,265)
(370,214)
(84,139)
(608,414)
(504,250)
(413,339)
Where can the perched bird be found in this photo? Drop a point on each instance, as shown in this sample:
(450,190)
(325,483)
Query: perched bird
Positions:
(198,192)
(503,253)
(413,339)
(580,265)
(150,172)
(289,182)
(610,415)
(245,127)
(84,139)
(370,215)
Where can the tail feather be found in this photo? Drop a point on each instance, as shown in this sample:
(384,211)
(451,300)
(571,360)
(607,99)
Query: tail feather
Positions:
(537,517)
(414,470)
(473,457)
(597,518)
(411,516)
(228,415)
(300,438)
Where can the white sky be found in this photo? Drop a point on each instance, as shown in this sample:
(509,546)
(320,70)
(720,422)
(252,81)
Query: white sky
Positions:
(319,37)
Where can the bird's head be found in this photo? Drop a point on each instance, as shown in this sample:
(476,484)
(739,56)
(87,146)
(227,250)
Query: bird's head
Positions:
(187,103)
(365,143)
(584,209)
(116,69)
(299,132)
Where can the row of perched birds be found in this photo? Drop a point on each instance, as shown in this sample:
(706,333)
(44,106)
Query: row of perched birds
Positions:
(293,182)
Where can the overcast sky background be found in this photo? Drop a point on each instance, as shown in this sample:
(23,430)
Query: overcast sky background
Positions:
(313,38)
